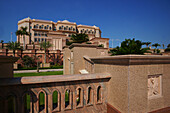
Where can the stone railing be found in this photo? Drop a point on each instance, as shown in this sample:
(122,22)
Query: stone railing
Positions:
(56,93)
(89,65)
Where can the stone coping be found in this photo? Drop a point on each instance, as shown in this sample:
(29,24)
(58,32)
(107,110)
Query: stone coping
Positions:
(88,59)
(83,45)
(8,59)
(132,59)
(52,79)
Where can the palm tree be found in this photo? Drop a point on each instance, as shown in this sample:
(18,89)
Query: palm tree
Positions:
(22,32)
(147,43)
(163,46)
(79,38)
(13,46)
(45,45)
(156,45)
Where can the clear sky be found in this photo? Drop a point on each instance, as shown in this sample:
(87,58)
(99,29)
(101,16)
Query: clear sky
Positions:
(146,20)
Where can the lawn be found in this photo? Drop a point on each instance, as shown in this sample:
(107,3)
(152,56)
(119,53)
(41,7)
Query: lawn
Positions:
(38,74)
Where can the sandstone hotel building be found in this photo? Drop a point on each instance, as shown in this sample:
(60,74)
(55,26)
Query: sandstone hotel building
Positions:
(57,33)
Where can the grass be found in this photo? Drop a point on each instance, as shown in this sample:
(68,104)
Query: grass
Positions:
(38,74)
(34,68)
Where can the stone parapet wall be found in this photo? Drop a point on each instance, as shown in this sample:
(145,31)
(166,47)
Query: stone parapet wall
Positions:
(18,87)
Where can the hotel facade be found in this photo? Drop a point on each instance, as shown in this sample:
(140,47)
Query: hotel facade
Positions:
(57,33)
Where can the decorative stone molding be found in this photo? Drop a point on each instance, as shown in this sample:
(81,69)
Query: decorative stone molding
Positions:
(154,86)
(132,59)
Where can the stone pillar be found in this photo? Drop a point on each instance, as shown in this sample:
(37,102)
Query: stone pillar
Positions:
(6,66)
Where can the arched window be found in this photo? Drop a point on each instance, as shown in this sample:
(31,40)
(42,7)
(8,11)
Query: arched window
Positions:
(55,100)
(27,103)
(45,27)
(37,26)
(35,33)
(1,103)
(34,26)
(54,28)
(99,94)
(89,95)
(81,31)
(11,101)
(60,28)
(79,97)
(69,28)
(65,28)
(41,101)
(67,98)
(50,28)
(73,29)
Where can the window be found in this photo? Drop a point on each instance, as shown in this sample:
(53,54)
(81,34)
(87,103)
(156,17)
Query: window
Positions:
(11,101)
(39,40)
(67,98)
(45,35)
(27,103)
(45,27)
(99,94)
(89,95)
(54,28)
(41,101)
(78,99)
(73,29)
(35,39)
(50,28)
(30,27)
(35,33)
(60,28)
(39,34)
(34,26)
(55,100)
(40,27)
(64,28)
(69,29)
(42,39)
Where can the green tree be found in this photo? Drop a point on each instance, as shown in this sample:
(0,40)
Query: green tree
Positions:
(156,45)
(168,48)
(2,41)
(163,45)
(13,46)
(22,32)
(129,47)
(147,44)
(45,45)
(79,38)
(27,61)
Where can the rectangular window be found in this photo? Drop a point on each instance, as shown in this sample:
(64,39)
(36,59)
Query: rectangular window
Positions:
(35,39)
(39,40)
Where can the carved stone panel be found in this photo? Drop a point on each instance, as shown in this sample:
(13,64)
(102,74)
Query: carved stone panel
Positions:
(154,85)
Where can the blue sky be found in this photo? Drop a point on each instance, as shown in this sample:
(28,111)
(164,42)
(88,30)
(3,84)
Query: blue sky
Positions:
(145,20)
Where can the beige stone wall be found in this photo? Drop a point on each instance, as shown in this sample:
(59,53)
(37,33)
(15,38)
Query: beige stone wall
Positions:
(66,61)
(77,60)
(117,86)
(128,87)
